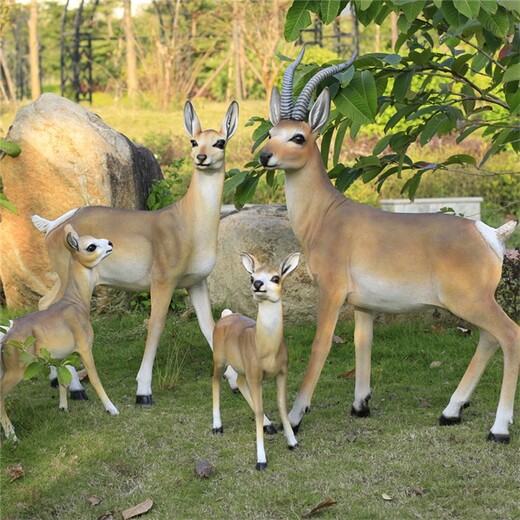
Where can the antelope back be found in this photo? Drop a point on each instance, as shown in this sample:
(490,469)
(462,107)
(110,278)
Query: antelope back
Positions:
(208,146)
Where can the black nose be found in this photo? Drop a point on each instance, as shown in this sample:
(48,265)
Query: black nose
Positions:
(264,158)
(110,243)
(201,157)
(257,284)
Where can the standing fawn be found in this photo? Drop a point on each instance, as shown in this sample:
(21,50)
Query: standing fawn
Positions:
(386,262)
(63,328)
(158,251)
(256,350)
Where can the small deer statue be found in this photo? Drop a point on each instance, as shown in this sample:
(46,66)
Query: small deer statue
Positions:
(256,350)
(62,328)
(158,251)
(385,262)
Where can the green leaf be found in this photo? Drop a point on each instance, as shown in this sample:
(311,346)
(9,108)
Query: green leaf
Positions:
(26,357)
(338,142)
(468,104)
(454,18)
(382,144)
(33,370)
(329,10)
(236,178)
(411,185)
(245,191)
(497,24)
(469,8)
(490,6)
(6,204)
(358,101)
(512,73)
(402,85)
(9,148)
(411,8)
(297,18)
(64,376)
(460,158)
(439,124)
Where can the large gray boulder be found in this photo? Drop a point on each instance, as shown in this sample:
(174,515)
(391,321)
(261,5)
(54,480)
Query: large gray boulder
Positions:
(70,157)
(265,232)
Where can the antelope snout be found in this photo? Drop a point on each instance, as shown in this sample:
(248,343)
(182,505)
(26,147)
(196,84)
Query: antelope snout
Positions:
(257,284)
(201,157)
(264,158)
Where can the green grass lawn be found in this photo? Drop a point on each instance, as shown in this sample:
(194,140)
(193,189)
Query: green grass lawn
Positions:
(400,453)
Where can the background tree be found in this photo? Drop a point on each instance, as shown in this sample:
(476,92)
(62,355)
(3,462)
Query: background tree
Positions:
(131,58)
(34,50)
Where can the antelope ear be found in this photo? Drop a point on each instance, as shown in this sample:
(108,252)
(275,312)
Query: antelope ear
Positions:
(230,123)
(289,264)
(250,262)
(274,107)
(71,237)
(191,121)
(320,111)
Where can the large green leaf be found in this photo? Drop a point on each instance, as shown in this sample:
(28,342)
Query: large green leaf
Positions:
(497,24)
(411,8)
(297,18)
(469,8)
(440,124)
(454,18)
(358,101)
(11,149)
(329,10)
(512,73)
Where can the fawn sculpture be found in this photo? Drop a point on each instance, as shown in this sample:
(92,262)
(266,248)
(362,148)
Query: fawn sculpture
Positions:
(62,328)
(256,350)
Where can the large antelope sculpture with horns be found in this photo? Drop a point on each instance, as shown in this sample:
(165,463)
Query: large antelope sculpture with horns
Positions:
(159,251)
(386,262)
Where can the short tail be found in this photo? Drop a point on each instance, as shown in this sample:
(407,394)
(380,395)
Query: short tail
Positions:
(226,312)
(46,226)
(506,230)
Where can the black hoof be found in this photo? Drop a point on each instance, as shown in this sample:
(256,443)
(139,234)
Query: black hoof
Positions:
(218,431)
(78,395)
(293,447)
(55,383)
(501,438)
(296,427)
(145,400)
(260,466)
(449,421)
(270,429)
(364,412)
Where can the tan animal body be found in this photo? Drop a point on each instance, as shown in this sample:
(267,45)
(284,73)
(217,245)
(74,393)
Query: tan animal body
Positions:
(256,350)
(63,328)
(390,262)
(162,250)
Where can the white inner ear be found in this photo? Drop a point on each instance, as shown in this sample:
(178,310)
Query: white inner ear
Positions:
(274,107)
(320,111)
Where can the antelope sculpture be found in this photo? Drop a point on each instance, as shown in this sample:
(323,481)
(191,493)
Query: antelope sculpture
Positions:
(385,262)
(162,250)
(256,350)
(62,328)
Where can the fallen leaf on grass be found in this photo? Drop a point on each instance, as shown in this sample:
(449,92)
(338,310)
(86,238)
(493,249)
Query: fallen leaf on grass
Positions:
(350,374)
(204,469)
(326,503)
(464,330)
(437,328)
(435,364)
(139,509)
(386,497)
(15,472)
(337,339)
(93,501)
(106,516)
(424,404)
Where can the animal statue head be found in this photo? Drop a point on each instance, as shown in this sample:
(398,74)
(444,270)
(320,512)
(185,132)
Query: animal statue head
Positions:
(87,250)
(208,146)
(295,128)
(266,283)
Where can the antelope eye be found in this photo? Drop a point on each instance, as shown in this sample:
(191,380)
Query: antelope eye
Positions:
(91,248)
(269,135)
(275,279)
(193,143)
(298,139)
(220,144)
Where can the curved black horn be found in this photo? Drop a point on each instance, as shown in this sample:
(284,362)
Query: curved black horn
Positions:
(287,87)
(301,109)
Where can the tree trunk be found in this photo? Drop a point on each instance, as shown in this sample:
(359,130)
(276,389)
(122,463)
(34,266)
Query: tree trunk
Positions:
(34,51)
(131,59)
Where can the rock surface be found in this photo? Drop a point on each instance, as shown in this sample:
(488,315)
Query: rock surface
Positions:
(70,157)
(265,232)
